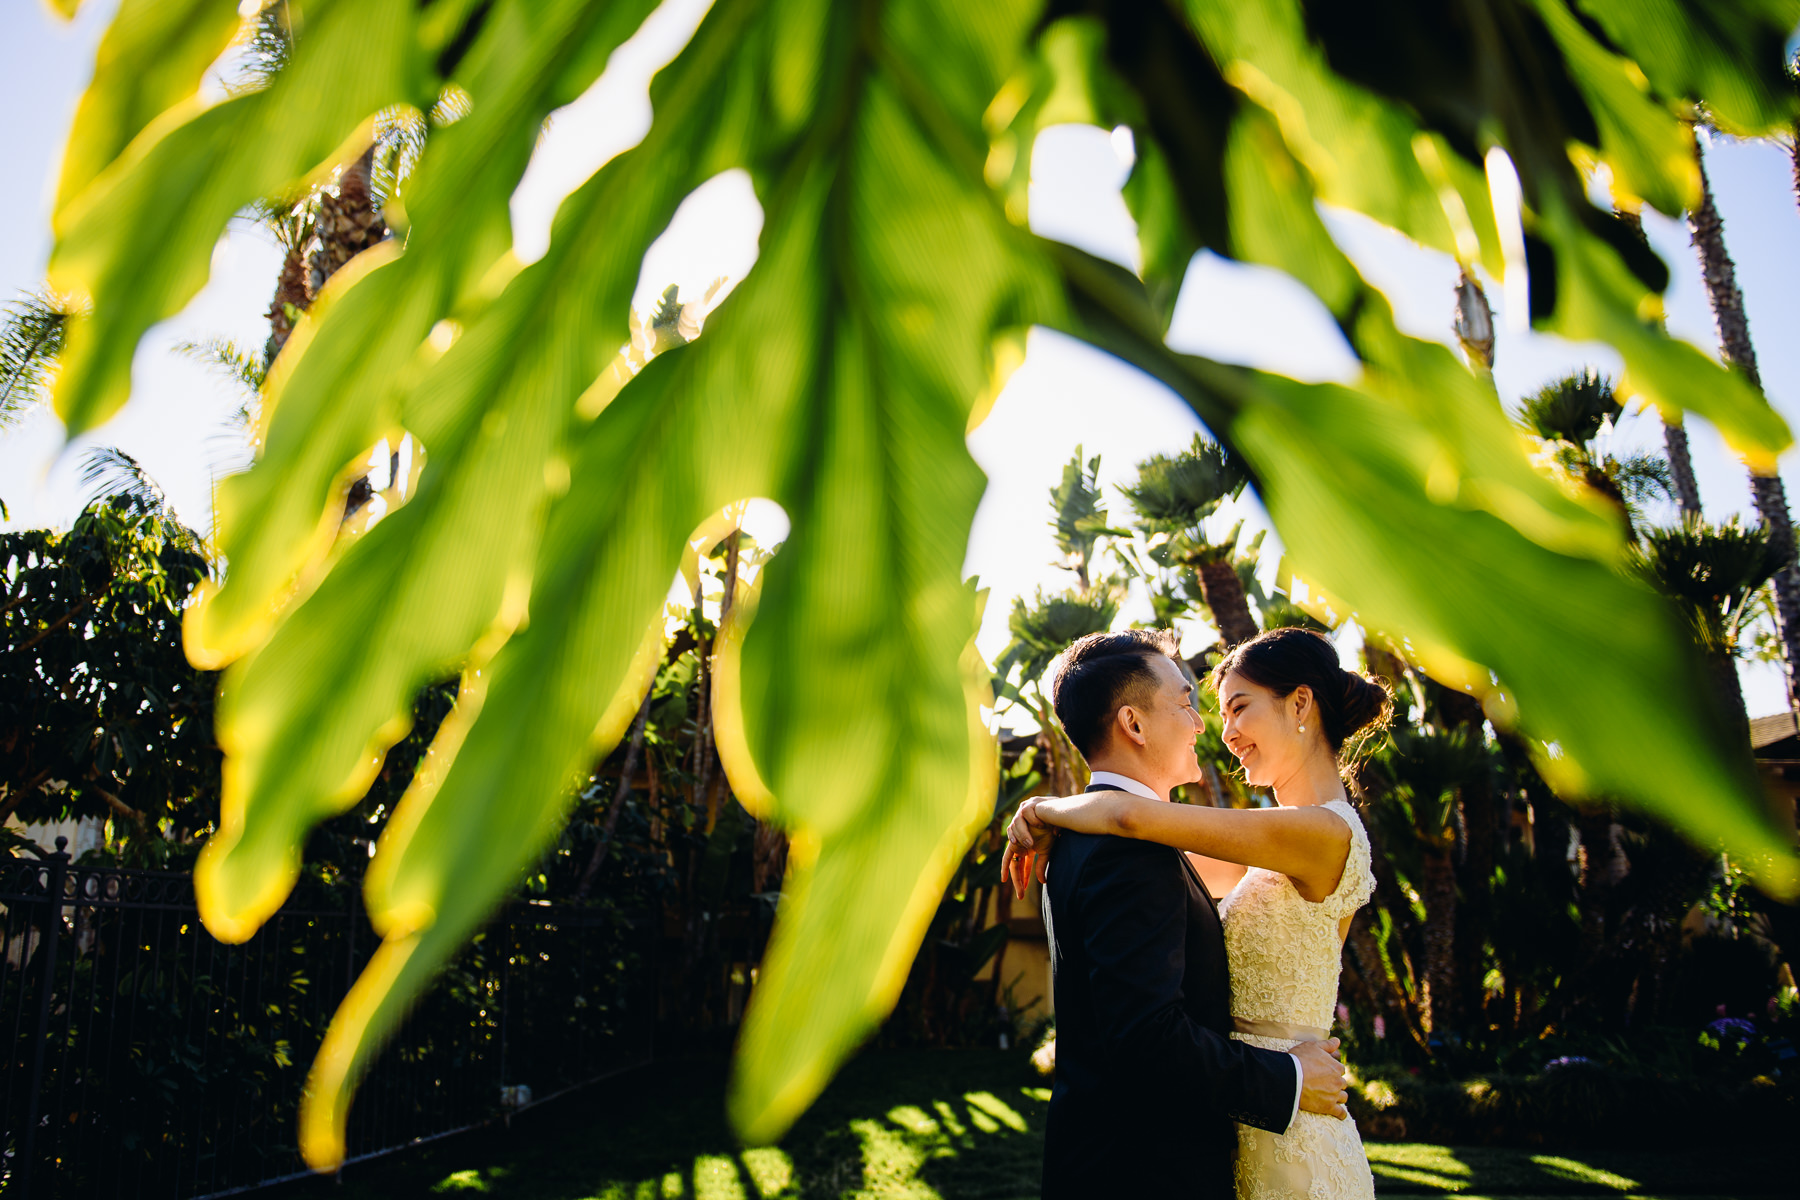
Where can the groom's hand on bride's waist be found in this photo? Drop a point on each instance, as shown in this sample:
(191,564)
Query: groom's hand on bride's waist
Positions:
(1323,1088)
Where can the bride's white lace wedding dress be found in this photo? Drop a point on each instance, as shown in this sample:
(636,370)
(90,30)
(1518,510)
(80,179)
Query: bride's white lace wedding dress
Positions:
(1285,953)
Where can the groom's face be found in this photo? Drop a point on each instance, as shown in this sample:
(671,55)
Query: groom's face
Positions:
(1169,723)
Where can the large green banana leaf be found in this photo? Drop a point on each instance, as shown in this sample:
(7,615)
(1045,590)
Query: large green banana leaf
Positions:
(889,145)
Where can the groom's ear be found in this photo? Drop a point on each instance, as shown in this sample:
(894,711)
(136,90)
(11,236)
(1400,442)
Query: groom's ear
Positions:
(1129,724)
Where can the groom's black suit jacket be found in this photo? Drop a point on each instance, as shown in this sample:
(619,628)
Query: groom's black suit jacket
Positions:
(1148,1081)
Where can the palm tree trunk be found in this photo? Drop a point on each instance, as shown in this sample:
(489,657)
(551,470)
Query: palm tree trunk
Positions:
(1675,439)
(1439,894)
(1681,468)
(1770,496)
(292,297)
(1480,825)
(1384,988)
(1223,592)
(348,222)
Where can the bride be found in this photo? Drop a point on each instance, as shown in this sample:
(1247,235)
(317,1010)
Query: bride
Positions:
(1288,709)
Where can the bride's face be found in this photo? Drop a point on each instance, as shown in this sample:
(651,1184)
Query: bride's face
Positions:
(1263,729)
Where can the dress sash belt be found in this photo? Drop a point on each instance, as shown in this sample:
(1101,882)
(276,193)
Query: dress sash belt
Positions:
(1279,1029)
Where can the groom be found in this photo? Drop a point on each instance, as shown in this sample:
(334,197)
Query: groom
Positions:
(1148,1082)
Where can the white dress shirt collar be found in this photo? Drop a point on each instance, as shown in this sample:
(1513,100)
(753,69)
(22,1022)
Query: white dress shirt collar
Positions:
(1124,783)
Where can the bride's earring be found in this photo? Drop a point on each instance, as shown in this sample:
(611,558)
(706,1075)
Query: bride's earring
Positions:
(1303,729)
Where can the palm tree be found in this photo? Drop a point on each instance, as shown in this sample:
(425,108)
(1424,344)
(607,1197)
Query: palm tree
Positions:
(1418,775)
(324,229)
(1713,573)
(1173,497)
(1078,518)
(1569,416)
(1767,491)
(1041,630)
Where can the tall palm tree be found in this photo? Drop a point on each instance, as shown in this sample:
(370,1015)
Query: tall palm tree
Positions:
(1767,491)
(1173,497)
(324,229)
(1675,438)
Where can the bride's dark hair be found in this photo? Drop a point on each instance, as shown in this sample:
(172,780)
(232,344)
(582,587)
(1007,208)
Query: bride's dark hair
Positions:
(1283,659)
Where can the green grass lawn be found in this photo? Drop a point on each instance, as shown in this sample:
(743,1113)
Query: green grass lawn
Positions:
(960,1125)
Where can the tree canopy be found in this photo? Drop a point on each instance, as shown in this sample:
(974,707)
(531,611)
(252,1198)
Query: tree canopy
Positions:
(889,142)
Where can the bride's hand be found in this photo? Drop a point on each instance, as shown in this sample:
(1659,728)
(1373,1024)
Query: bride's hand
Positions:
(1028,841)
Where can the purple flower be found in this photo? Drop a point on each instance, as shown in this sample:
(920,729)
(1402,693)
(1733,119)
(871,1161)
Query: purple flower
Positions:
(1380,1028)
(1568,1060)
(1731,1025)
(1343,1012)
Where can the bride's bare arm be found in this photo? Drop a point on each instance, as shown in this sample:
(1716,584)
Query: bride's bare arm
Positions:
(1307,844)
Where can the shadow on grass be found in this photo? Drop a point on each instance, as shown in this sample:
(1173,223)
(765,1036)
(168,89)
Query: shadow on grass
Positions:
(1475,1171)
(922,1125)
(919,1124)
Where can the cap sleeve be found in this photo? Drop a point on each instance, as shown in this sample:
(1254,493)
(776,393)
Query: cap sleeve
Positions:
(1358,881)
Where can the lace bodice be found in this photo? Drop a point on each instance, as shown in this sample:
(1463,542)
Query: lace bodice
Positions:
(1285,950)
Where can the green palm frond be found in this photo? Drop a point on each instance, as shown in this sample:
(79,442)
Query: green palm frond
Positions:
(1044,627)
(1418,771)
(245,368)
(1077,516)
(1711,571)
(1182,491)
(1642,478)
(267,50)
(1572,409)
(108,471)
(400,134)
(31,338)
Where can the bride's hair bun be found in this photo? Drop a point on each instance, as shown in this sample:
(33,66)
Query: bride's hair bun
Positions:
(1284,659)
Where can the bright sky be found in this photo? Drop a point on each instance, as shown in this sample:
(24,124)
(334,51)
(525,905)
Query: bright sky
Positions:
(1065,395)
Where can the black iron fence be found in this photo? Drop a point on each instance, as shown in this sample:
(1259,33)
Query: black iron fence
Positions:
(148,1060)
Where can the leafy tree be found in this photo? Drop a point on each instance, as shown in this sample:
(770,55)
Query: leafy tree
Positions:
(100,713)
(890,145)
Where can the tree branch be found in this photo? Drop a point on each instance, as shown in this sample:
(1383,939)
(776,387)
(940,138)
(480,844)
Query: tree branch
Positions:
(119,807)
(51,628)
(9,804)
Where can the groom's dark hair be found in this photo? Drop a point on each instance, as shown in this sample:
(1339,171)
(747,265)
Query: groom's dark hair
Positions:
(1099,673)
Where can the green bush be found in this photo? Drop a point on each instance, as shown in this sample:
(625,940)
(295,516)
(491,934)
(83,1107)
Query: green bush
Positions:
(1581,1104)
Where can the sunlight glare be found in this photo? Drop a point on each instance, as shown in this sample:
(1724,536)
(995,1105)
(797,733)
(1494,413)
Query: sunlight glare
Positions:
(611,117)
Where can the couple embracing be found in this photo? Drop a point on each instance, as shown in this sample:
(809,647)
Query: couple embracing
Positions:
(1193,1052)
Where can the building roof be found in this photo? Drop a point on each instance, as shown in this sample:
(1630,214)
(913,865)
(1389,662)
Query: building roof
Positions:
(1766,731)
